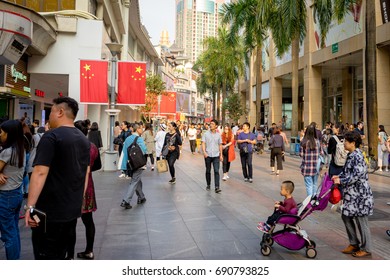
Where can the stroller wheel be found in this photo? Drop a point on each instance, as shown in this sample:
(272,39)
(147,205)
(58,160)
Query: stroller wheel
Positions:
(267,239)
(311,253)
(265,250)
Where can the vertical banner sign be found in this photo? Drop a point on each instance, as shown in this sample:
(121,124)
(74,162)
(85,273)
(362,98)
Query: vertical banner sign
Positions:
(93,82)
(131,83)
(385,9)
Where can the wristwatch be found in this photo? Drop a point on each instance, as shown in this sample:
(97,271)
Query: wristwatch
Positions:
(30,207)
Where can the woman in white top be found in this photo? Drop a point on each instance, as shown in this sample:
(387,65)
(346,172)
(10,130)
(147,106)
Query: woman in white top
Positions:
(12,165)
(147,135)
(383,155)
(160,137)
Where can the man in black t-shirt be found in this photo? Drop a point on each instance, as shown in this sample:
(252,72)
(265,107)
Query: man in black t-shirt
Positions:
(57,183)
(359,128)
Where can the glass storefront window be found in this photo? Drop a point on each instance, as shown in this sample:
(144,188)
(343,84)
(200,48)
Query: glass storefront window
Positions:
(332,96)
(286,116)
(358,94)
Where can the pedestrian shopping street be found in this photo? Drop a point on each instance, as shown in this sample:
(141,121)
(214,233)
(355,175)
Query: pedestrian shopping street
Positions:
(184,221)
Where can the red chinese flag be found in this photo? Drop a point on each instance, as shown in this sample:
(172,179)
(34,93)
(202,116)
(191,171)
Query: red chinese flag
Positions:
(168,103)
(93,81)
(131,83)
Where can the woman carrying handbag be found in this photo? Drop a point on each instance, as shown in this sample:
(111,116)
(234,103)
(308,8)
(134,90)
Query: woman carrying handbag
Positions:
(171,148)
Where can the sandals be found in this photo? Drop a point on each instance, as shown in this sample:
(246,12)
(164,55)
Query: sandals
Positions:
(85,255)
(361,254)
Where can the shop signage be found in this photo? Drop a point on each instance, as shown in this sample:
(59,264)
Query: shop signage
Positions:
(335,48)
(39,93)
(17,75)
(17,78)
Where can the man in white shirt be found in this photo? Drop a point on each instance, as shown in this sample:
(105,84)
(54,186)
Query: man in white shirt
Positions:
(192,137)
(234,130)
(212,152)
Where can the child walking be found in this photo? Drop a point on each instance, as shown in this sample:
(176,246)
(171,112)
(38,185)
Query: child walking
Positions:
(280,207)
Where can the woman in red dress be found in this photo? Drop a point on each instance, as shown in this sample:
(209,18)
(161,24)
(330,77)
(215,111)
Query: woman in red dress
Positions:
(89,203)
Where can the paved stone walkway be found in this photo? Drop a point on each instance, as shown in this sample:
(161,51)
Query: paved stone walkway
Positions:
(184,221)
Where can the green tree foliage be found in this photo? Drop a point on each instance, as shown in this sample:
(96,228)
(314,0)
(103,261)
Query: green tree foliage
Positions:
(250,19)
(233,105)
(155,86)
(221,64)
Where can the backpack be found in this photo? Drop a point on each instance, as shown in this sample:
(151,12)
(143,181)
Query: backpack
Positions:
(340,156)
(260,136)
(136,157)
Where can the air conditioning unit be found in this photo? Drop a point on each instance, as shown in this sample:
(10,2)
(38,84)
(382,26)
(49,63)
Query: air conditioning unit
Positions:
(15,36)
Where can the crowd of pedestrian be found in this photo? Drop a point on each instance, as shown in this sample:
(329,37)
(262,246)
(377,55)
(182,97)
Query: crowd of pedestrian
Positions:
(52,167)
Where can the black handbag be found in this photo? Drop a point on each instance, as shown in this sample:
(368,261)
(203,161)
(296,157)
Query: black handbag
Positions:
(244,146)
(97,164)
(118,141)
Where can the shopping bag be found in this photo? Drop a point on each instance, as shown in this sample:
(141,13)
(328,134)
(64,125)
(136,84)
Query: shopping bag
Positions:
(335,195)
(120,162)
(162,166)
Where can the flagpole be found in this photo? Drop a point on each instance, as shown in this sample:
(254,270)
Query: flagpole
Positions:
(110,161)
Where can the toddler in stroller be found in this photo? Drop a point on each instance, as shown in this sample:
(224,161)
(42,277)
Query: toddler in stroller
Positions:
(281,207)
(291,236)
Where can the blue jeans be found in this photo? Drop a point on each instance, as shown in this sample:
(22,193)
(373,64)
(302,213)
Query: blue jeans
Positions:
(10,203)
(311,184)
(215,161)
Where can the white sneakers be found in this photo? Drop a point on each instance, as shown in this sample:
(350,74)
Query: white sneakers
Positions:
(123,175)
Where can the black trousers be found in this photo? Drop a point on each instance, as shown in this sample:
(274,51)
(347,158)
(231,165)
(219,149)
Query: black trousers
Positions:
(193,145)
(54,244)
(151,158)
(246,164)
(276,153)
(275,215)
(225,163)
(171,158)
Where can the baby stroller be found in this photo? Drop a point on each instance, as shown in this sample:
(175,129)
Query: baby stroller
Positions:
(291,236)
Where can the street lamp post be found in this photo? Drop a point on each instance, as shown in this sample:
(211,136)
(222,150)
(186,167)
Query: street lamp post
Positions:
(111,155)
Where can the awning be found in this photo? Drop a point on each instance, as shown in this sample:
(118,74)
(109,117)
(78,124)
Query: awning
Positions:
(11,91)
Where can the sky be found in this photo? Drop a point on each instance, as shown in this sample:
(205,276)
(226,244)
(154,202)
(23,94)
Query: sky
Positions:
(157,15)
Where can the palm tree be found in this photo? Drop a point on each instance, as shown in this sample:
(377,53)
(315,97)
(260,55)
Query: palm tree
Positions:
(288,27)
(251,18)
(222,63)
(339,8)
(370,64)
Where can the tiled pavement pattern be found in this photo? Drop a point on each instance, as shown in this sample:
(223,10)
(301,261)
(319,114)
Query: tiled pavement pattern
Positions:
(184,221)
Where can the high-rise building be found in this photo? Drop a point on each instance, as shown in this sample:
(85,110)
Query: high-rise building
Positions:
(196,20)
